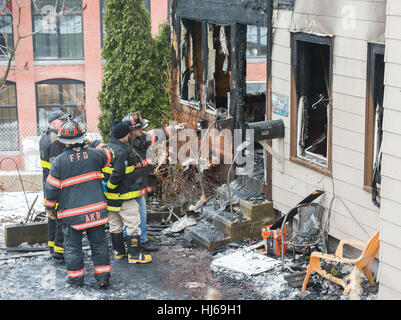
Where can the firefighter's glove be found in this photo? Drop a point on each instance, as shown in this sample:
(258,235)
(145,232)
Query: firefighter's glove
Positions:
(88,142)
(51,214)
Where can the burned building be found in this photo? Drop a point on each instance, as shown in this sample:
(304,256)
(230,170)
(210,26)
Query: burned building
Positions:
(210,54)
(209,64)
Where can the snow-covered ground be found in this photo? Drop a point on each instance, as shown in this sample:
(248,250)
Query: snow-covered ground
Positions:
(14,207)
(23,278)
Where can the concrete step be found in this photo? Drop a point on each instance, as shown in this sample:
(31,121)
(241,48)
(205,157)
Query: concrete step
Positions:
(217,228)
(206,235)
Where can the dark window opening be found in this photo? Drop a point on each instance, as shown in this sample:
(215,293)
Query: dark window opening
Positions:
(312,85)
(219,67)
(374,123)
(191,58)
(378,111)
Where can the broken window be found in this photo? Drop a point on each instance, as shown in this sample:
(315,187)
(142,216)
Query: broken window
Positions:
(218,67)
(191,62)
(374,114)
(256,41)
(311,63)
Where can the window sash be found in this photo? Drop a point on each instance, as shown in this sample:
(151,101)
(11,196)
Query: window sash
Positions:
(256,42)
(6,28)
(64,38)
(53,95)
(9,134)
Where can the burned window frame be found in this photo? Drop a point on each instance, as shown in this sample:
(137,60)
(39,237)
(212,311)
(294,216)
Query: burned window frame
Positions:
(372,83)
(184,51)
(315,164)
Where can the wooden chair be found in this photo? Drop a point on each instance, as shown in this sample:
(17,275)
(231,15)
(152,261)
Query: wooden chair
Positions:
(362,263)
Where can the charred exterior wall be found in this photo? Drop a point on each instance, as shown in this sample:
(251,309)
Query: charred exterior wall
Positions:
(351,26)
(219,85)
(229,86)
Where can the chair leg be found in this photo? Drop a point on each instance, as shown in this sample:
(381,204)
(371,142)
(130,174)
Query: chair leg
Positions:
(348,280)
(306,278)
(314,265)
(368,275)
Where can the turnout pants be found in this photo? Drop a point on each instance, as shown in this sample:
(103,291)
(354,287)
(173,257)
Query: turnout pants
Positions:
(128,216)
(55,235)
(74,258)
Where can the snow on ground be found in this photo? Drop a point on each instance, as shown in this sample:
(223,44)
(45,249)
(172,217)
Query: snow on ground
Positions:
(14,208)
(20,277)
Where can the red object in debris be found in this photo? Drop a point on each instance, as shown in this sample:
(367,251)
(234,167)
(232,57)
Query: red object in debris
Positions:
(274,236)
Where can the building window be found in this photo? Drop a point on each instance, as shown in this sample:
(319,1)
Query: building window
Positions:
(146,4)
(9,140)
(191,62)
(256,42)
(102,26)
(62,37)
(311,60)
(284,4)
(6,28)
(65,94)
(374,118)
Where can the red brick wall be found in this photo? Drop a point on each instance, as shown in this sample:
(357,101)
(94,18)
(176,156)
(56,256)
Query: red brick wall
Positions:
(158,12)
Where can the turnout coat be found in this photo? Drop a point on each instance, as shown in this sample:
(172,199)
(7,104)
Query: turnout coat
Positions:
(75,182)
(128,174)
(49,148)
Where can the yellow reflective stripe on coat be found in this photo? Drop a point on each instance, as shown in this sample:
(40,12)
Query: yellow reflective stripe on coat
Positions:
(124,196)
(45,164)
(50,244)
(110,185)
(109,170)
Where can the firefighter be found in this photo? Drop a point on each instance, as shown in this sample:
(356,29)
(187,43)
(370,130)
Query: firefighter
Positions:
(75,182)
(50,148)
(140,142)
(121,191)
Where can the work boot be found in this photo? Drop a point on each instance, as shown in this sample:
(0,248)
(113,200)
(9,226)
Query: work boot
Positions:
(75,284)
(59,257)
(103,284)
(135,254)
(119,250)
(148,247)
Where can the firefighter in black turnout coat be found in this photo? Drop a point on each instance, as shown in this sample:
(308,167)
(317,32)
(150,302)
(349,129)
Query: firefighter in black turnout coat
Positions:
(50,148)
(140,142)
(75,182)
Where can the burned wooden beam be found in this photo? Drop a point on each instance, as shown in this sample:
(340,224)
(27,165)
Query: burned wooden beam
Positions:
(252,12)
(238,73)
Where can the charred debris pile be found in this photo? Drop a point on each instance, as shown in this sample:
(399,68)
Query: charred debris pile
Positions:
(179,204)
